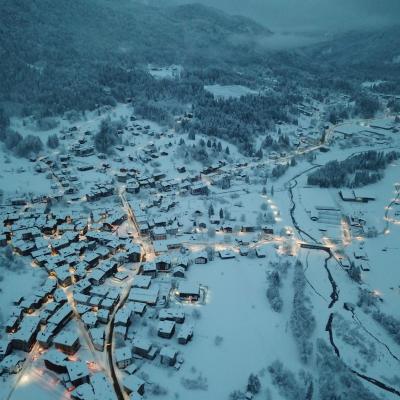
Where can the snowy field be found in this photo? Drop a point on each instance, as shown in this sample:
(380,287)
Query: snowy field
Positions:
(229,91)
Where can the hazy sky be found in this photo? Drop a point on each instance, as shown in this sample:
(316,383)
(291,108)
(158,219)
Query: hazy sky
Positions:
(313,14)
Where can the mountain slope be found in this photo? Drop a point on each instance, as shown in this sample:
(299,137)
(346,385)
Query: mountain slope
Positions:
(59,51)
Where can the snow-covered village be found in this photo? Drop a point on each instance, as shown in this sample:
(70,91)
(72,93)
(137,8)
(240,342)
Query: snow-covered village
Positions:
(146,255)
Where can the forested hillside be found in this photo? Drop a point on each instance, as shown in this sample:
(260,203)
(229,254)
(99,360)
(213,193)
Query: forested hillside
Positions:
(61,57)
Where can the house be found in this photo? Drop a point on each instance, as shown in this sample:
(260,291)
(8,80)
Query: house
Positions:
(77,372)
(188,291)
(199,189)
(82,392)
(133,384)
(178,272)
(68,342)
(61,317)
(5,348)
(185,334)
(103,390)
(89,319)
(201,258)
(261,252)
(267,230)
(148,296)
(163,263)
(149,268)
(25,337)
(166,329)
(134,252)
(121,332)
(12,364)
(248,228)
(172,314)
(123,317)
(142,347)
(142,281)
(168,356)
(226,254)
(103,316)
(123,357)
(55,361)
(137,308)
(45,337)
(159,233)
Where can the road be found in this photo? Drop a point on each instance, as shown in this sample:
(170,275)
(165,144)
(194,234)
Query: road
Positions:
(131,219)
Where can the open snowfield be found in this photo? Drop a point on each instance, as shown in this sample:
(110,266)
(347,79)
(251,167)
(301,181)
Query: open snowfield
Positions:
(229,91)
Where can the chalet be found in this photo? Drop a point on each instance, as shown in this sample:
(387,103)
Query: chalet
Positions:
(172,314)
(243,250)
(55,361)
(201,258)
(185,334)
(77,372)
(132,186)
(163,263)
(199,189)
(67,342)
(103,315)
(267,230)
(102,388)
(160,247)
(137,308)
(97,335)
(188,291)
(248,228)
(123,357)
(12,323)
(178,272)
(183,261)
(97,277)
(89,319)
(25,337)
(134,252)
(5,348)
(61,317)
(142,281)
(226,254)
(121,332)
(45,337)
(82,392)
(144,228)
(148,296)
(227,228)
(133,385)
(168,356)
(131,369)
(12,364)
(123,317)
(142,347)
(159,233)
(261,252)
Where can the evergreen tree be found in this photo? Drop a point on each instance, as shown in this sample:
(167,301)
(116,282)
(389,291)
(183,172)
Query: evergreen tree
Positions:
(52,141)
(192,135)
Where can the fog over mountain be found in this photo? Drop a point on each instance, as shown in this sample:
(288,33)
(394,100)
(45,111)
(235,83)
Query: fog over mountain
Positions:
(309,15)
